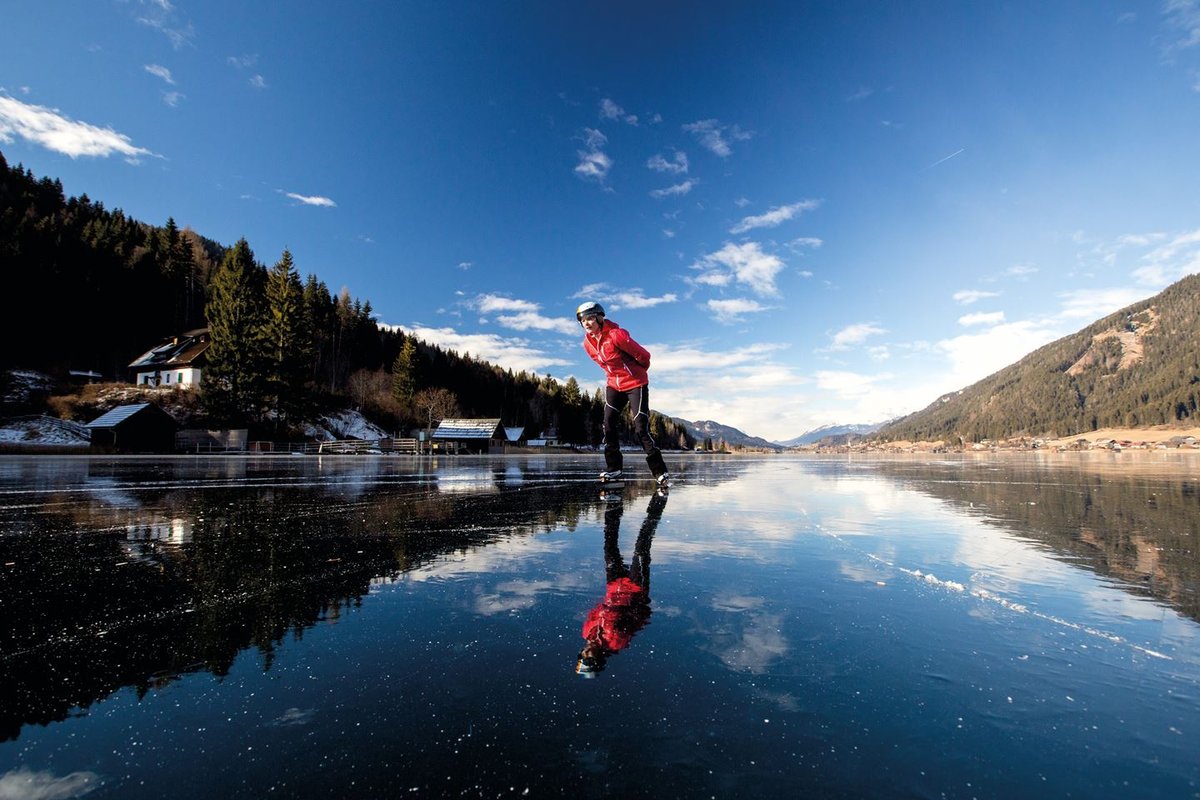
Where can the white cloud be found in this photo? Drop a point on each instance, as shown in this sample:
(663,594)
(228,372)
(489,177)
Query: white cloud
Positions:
(974,356)
(160,72)
(686,362)
(849,385)
(1139,239)
(1020,271)
(744,387)
(23,783)
(715,137)
(1183,16)
(161,17)
(532,320)
(879,352)
(714,278)
(594,139)
(746,263)
(172,98)
(1092,304)
(776,216)
(728,311)
(805,241)
(610,110)
(50,129)
(311,200)
(621,299)
(521,315)
(1171,261)
(678,165)
(491,303)
(506,352)
(968,296)
(635,299)
(854,334)
(594,163)
(677,190)
(982,318)
(247,62)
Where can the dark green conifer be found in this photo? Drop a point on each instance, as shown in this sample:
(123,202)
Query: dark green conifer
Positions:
(233,383)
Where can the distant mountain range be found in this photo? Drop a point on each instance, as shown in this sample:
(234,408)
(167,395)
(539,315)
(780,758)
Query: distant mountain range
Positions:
(707,429)
(830,432)
(1135,368)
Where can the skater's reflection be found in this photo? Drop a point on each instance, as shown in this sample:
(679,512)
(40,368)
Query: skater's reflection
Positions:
(625,609)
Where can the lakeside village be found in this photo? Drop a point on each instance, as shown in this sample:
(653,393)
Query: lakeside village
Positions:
(1133,439)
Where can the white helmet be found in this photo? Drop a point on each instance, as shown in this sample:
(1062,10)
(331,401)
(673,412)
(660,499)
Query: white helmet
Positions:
(589,309)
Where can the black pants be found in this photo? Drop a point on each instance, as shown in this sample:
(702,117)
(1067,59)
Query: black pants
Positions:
(638,569)
(638,400)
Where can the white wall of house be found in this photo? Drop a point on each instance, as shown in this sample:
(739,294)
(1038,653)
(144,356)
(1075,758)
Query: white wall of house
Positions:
(187,376)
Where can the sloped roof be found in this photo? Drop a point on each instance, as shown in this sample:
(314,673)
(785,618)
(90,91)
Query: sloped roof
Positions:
(116,416)
(514,434)
(175,352)
(466,429)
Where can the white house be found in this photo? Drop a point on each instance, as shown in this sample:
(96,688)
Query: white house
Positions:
(178,361)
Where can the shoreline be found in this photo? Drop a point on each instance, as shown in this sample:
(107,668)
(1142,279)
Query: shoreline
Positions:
(1159,437)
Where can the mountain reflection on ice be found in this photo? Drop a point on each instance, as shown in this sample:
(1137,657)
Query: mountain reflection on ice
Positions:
(362,625)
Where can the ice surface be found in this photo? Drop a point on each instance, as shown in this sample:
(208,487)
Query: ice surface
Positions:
(244,626)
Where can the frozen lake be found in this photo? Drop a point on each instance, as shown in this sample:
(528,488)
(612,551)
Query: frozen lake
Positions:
(363,626)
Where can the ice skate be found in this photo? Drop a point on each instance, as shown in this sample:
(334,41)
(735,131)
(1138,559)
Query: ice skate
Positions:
(611,476)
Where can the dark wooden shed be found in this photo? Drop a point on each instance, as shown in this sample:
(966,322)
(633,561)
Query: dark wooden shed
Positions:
(136,428)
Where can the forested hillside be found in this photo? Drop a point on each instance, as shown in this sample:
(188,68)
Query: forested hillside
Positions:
(1137,367)
(98,289)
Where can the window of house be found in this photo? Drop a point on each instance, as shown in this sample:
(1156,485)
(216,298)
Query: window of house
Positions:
(179,378)
(167,377)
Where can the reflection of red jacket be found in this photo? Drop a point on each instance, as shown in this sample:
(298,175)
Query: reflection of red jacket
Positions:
(622,613)
(622,359)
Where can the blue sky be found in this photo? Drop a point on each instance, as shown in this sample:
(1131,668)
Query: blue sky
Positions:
(809,213)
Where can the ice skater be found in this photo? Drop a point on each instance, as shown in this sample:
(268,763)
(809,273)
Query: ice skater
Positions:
(625,609)
(625,362)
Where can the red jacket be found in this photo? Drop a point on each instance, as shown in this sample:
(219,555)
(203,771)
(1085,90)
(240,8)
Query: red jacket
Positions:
(623,612)
(622,359)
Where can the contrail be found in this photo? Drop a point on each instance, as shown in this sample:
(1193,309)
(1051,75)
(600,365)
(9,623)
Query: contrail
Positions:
(947,158)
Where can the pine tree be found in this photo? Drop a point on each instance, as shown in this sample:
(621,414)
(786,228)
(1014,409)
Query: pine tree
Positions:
(319,327)
(404,372)
(233,385)
(174,271)
(288,349)
(571,419)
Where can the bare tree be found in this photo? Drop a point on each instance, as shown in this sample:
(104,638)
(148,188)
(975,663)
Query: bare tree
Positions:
(366,385)
(436,404)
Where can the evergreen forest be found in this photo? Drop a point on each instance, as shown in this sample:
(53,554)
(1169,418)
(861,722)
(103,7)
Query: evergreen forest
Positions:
(285,350)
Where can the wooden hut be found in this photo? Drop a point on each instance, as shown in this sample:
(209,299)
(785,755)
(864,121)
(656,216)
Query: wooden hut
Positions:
(135,428)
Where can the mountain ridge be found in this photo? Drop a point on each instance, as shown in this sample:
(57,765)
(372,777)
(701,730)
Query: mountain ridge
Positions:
(716,432)
(1135,368)
(829,431)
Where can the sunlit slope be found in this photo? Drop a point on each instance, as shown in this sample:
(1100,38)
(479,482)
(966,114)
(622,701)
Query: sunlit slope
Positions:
(1137,367)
